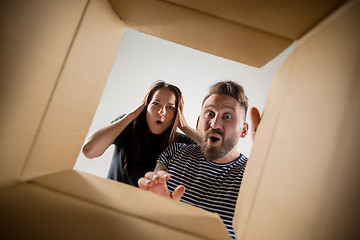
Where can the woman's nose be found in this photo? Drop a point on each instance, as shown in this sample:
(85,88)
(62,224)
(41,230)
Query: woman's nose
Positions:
(162,111)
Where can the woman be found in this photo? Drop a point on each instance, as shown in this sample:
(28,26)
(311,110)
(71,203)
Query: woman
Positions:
(140,136)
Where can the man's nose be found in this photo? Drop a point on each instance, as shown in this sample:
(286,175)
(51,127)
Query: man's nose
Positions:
(216,123)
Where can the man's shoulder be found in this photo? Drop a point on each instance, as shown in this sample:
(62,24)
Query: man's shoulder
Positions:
(241,162)
(179,153)
(184,151)
(243,158)
(179,147)
(183,138)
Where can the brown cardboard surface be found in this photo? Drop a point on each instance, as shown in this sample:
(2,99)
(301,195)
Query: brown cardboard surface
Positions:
(262,145)
(302,178)
(32,212)
(76,95)
(201,31)
(289,19)
(343,211)
(34,43)
(137,203)
(306,149)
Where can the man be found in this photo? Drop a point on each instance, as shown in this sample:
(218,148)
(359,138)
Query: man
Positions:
(211,172)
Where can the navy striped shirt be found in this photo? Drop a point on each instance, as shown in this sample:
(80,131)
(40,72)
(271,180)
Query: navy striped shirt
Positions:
(210,186)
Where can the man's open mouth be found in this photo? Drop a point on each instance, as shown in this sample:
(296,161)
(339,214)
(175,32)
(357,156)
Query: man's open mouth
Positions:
(214,139)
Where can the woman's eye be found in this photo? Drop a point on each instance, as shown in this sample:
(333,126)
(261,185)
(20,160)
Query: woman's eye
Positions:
(171,107)
(156,103)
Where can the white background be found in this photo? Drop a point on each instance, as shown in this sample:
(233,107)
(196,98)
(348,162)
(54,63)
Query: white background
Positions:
(143,59)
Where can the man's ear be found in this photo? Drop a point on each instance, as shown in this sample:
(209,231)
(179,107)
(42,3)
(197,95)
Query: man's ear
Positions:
(197,123)
(245,130)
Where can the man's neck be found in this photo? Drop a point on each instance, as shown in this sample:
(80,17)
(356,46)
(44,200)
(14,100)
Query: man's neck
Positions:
(230,156)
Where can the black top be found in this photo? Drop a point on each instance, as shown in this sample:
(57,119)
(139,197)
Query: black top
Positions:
(149,154)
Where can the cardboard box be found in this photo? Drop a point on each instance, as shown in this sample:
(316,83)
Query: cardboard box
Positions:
(301,181)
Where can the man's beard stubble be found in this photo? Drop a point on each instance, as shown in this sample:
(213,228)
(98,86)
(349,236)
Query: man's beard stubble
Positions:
(213,153)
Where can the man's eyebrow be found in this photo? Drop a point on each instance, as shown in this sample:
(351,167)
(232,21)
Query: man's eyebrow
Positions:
(224,107)
(230,107)
(209,106)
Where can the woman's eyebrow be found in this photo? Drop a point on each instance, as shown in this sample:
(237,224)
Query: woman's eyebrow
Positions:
(169,103)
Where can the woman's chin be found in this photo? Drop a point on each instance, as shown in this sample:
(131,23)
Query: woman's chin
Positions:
(157,131)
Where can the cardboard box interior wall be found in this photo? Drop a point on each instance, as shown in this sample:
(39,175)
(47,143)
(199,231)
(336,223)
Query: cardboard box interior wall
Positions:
(301,180)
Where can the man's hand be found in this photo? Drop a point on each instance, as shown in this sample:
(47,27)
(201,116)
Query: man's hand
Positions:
(156,182)
(255,120)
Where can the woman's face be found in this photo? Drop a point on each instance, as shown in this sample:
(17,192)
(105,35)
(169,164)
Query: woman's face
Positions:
(161,110)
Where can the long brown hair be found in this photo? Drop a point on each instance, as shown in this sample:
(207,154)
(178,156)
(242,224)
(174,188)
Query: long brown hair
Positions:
(140,130)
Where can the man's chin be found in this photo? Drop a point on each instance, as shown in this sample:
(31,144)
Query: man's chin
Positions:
(212,153)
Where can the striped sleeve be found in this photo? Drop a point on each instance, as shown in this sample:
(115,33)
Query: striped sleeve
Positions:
(167,155)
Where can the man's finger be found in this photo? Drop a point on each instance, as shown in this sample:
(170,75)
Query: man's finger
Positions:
(163,174)
(178,192)
(151,175)
(144,183)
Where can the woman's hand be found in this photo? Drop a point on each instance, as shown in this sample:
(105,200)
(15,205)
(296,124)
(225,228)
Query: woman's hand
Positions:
(134,114)
(182,122)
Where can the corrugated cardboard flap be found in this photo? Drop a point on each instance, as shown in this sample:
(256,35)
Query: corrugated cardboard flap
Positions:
(129,205)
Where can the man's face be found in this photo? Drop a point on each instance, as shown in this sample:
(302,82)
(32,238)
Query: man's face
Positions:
(220,126)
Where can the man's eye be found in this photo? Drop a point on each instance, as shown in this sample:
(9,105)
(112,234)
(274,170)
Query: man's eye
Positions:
(227,116)
(209,114)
